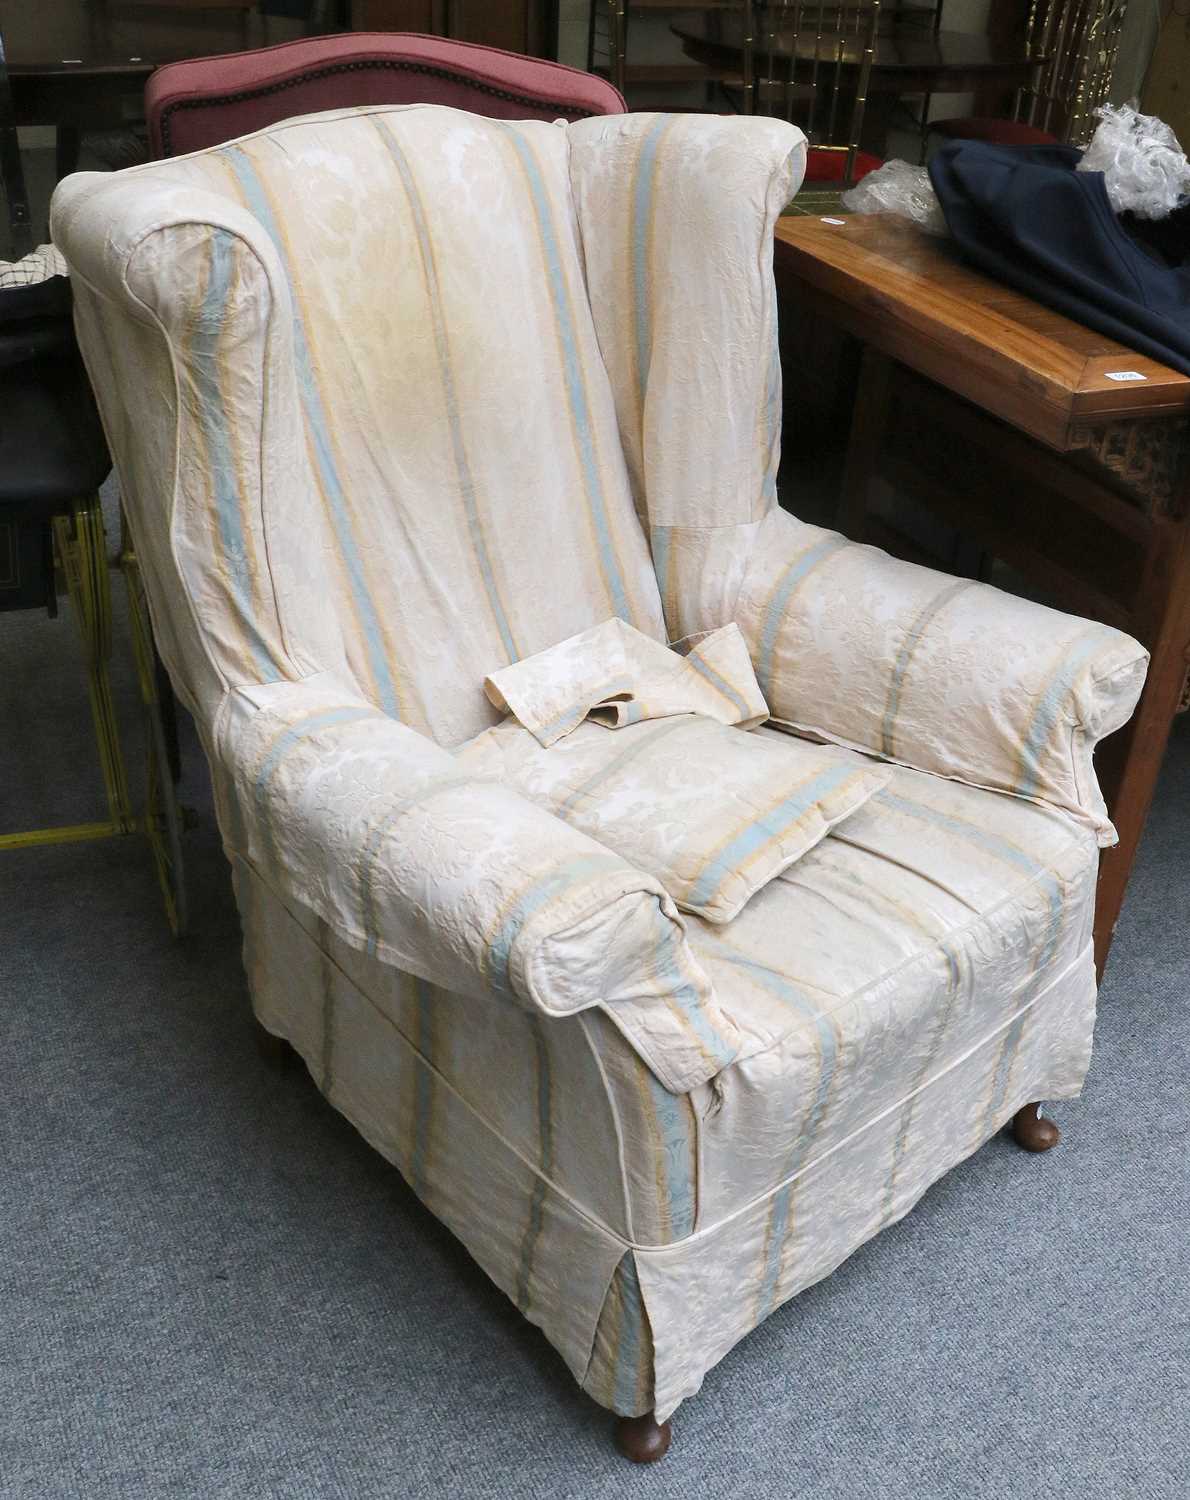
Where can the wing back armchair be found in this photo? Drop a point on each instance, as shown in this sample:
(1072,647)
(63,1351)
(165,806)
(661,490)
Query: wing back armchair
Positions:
(400,397)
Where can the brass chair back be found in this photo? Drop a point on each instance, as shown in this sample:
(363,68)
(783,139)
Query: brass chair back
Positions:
(807,61)
(1078,41)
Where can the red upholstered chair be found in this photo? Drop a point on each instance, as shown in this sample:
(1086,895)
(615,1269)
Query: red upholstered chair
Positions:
(191,105)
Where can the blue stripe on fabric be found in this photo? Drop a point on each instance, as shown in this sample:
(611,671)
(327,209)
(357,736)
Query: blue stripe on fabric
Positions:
(257,200)
(659,537)
(543,890)
(204,348)
(569,718)
(575,388)
(774,1244)
(771,408)
(769,825)
(1005,1061)
(278,750)
(642,214)
(672,1121)
(1046,713)
(628,1352)
(796,573)
(719,682)
(294,735)
(442,348)
(909,645)
(683,993)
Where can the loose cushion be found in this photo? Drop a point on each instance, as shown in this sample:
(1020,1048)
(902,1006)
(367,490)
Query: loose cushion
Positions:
(617,675)
(711,812)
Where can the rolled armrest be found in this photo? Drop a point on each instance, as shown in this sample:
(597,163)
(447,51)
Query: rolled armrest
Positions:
(941,673)
(458,880)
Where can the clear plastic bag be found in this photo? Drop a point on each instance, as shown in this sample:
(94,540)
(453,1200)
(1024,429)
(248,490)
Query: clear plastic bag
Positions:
(1145,170)
(898,187)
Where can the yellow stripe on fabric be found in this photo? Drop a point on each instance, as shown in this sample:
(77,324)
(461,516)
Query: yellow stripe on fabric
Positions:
(245,460)
(572,357)
(464,479)
(673,1140)
(380,650)
(753,837)
(954,975)
(828,1043)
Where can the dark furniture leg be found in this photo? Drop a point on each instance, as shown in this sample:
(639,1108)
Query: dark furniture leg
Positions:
(868,421)
(643,1439)
(1032,1131)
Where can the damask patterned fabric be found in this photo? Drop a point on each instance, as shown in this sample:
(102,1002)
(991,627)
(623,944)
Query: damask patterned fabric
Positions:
(936,672)
(419,864)
(616,676)
(402,397)
(712,813)
(947,675)
(437,461)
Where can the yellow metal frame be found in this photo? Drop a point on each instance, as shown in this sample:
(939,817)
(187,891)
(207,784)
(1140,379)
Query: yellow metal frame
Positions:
(81,546)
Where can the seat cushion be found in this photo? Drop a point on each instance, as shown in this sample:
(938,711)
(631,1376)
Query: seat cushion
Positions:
(829,166)
(999,132)
(919,935)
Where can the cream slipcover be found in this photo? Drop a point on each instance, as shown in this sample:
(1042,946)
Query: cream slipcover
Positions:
(400,397)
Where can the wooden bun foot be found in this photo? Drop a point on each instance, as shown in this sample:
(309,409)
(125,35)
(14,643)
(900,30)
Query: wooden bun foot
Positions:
(274,1050)
(643,1439)
(1033,1132)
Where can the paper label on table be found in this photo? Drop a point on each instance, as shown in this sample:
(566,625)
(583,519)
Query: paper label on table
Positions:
(834,221)
(1125,375)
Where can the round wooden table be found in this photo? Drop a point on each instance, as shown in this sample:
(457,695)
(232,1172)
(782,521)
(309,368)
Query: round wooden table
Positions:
(913,59)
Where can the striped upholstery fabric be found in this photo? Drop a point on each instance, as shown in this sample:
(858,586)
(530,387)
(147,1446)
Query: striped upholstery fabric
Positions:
(1033,689)
(711,813)
(400,397)
(397,347)
(922,653)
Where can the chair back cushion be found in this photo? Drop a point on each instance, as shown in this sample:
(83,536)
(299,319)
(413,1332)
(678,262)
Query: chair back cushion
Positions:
(397,441)
(205,101)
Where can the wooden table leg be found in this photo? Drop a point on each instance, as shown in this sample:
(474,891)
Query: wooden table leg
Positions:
(1132,760)
(869,418)
(68,146)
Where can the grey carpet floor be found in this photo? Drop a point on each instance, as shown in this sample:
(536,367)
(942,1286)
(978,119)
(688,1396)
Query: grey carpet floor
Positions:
(210,1287)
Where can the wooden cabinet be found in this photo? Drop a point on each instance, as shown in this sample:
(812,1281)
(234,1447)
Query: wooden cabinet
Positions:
(517,25)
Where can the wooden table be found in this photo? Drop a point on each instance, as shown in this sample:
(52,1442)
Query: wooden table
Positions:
(912,59)
(1002,419)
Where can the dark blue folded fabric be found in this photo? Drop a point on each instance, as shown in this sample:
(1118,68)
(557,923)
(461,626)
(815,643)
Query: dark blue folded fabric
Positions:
(1024,215)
